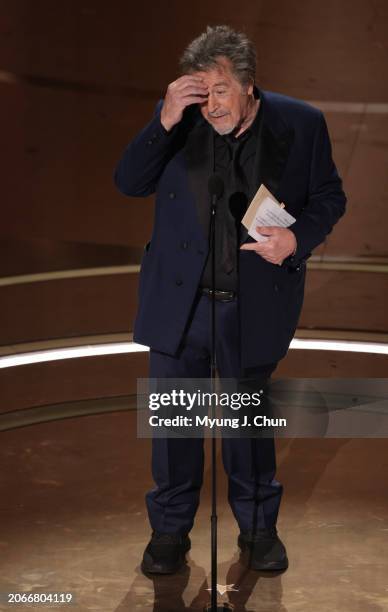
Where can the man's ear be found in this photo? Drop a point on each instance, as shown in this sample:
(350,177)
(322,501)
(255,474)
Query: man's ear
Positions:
(251,85)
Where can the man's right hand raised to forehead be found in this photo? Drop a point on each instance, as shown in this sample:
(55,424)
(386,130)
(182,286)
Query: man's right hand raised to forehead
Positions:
(186,90)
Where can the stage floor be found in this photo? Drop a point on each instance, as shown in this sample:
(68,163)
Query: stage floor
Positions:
(74,520)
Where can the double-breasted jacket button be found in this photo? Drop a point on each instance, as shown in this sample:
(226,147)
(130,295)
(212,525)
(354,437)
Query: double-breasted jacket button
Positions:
(153,139)
(179,282)
(172,195)
(184,245)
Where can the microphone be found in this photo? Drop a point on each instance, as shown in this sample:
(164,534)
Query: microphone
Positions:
(215,187)
(237,205)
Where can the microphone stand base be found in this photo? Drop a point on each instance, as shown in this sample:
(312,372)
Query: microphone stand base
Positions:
(219,608)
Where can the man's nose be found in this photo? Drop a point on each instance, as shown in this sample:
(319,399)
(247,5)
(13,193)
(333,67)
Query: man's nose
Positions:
(212,103)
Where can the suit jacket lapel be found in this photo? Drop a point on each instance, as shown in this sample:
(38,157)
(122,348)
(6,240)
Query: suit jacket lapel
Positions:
(274,143)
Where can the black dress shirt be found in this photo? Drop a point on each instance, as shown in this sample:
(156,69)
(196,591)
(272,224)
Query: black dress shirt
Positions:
(233,161)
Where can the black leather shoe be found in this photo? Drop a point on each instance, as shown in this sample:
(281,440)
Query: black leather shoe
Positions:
(165,553)
(264,550)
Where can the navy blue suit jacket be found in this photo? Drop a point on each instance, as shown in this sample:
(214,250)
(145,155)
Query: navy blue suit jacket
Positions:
(293,159)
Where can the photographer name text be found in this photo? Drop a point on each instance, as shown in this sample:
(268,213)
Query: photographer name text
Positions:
(259,420)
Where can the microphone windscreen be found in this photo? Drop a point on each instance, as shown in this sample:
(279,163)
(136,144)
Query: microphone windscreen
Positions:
(238,203)
(216,186)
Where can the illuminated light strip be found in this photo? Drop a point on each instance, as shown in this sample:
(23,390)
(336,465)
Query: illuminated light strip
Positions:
(73,352)
(115,348)
(22,279)
(338,345)
(347,266)
(371,108)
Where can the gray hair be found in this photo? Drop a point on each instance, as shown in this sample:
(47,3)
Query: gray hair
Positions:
(202,53)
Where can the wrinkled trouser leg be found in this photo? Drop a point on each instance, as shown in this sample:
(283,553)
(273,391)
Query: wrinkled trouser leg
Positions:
(177,463)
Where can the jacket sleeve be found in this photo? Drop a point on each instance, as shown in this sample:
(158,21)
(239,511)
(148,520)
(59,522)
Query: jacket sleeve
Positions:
(144,159)
(326,201)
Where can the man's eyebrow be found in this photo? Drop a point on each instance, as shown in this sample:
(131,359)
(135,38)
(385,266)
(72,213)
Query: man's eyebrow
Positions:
(221,83)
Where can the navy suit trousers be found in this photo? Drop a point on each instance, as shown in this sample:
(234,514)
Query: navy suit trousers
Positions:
(177,463)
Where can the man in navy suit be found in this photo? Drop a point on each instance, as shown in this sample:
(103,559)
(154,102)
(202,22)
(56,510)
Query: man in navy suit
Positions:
(214,118)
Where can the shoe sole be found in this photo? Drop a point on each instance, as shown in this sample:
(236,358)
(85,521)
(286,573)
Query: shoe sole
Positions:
(151,568)
(269,567)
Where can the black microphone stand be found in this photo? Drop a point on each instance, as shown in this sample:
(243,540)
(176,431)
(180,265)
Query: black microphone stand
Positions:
(216,193)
